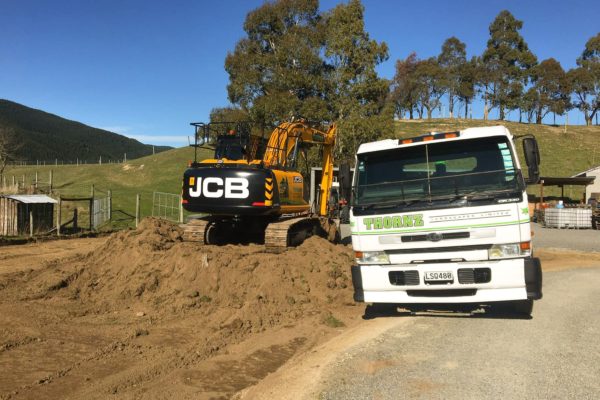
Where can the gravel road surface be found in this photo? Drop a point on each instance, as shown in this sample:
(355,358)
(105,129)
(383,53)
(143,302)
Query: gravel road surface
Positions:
(554,355)
(573,239)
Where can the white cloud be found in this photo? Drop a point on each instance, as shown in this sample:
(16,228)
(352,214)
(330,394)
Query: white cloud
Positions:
(170,140)
(123,130)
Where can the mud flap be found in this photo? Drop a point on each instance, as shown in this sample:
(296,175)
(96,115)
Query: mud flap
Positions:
(359,294)
(533,278)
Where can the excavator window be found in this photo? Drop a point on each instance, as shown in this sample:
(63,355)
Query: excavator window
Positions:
(230,147)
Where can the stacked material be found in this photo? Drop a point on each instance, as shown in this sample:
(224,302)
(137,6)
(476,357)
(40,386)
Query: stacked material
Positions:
(574,218)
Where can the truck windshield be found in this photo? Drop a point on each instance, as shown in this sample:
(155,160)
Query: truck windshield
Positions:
(436,172)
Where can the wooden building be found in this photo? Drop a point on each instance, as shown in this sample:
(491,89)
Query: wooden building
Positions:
(593,190)
(26,214)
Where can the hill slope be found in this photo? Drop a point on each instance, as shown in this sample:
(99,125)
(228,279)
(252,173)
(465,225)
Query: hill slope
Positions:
(47,137)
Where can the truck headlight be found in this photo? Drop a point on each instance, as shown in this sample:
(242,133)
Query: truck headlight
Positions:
(371,257)
(509,250)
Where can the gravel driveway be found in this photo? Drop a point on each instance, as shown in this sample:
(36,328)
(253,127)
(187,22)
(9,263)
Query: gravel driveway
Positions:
(572,239)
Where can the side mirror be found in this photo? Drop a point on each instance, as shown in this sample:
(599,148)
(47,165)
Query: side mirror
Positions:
(532,158)
(345,180)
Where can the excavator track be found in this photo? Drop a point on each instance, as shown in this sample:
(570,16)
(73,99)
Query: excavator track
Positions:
(290,232)
(278,235)
(195,230)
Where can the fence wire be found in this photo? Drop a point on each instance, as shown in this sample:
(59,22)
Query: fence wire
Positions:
(101,211)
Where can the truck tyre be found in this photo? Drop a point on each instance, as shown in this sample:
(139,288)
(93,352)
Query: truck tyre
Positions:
(522,307)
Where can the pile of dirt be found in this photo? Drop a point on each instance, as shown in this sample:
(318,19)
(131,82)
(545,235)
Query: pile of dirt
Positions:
(145,309)
(151,269)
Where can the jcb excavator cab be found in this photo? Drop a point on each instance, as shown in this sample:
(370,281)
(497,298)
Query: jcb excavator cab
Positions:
(231,147)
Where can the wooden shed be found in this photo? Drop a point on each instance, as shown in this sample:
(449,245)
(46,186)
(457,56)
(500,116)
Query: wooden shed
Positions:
(26,214)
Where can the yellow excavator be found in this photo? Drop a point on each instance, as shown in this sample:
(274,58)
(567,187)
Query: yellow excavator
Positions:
(256,189)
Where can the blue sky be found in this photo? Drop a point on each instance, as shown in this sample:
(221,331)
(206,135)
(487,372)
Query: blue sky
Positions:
(147,68)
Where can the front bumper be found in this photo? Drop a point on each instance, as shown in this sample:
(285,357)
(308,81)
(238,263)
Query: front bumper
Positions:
(511,279)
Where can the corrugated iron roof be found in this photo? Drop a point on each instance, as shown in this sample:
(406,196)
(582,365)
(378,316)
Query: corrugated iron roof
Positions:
(586,171)
(32,198)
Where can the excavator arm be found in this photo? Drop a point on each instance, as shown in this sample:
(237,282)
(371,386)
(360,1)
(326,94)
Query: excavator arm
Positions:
(285,142)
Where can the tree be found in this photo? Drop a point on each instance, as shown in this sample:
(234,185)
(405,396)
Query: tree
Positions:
(530,103)
(585,80)
(507,60)
(357,95)
(228,114)
(8,148)
(431,84)
(550,85)
(468,77)
(296,61)
(276,70)
(452,60)
(404,88)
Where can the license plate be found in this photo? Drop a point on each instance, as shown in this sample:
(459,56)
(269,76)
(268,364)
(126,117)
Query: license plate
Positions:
(438,276)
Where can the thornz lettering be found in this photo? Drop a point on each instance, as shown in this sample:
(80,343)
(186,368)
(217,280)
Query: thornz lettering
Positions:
(393,222)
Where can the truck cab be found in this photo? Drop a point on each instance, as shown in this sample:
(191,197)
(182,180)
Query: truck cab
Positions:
(443,219)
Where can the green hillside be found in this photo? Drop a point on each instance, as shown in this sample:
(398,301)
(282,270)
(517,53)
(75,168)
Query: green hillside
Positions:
(46,137)
(562,155)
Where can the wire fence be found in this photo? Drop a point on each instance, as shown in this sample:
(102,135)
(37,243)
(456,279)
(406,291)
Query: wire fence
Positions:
(167,206)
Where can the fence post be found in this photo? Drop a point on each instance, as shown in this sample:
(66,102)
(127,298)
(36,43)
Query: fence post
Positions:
(23,181)
(180,210)
(13,181)
(36,180)
(31,222)
(58,216)
(109,204)
(50,181)
(137,209)
(92,191)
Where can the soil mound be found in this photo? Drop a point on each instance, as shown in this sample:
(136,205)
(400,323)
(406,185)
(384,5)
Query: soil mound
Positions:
(153,269)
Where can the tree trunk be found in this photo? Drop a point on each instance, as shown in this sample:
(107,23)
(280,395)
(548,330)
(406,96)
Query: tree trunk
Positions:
(428,112)
(410,112)
(466,108)
(588,120)
(485,107)
(538,118)
(520,115)
(501,116)
(451,106)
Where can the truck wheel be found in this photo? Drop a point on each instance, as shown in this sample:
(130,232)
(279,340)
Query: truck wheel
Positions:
(522,307)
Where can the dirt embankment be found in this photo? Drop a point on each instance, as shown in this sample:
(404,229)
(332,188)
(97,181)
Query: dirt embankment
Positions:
(147,315)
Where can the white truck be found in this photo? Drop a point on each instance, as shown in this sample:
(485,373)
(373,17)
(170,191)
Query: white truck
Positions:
(443,219)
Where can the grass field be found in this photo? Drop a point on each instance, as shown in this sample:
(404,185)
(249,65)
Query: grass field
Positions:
(563,154)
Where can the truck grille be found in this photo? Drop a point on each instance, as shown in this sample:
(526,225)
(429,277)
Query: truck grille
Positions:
(443,236)
(474,275)
(404,278)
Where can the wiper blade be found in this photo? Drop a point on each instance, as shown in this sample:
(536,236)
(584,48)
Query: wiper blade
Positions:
(395,204)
